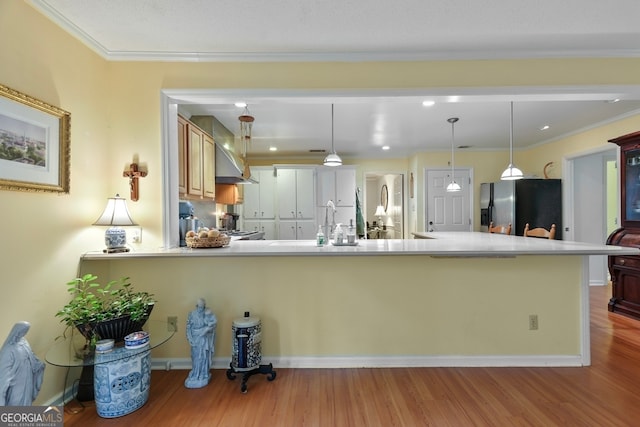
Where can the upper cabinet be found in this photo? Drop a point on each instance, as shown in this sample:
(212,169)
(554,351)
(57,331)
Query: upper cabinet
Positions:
(196,152)
(259,199)
(337,184)
(295,189)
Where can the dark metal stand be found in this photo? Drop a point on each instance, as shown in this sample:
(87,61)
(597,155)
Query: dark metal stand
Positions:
(262,369)
(85,385)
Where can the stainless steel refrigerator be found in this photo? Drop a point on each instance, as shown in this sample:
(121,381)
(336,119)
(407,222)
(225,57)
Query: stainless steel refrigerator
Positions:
(534,201)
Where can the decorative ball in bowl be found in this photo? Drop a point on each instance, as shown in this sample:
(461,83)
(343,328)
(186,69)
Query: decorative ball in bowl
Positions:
(136,339)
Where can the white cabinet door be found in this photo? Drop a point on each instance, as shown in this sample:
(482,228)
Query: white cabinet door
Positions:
(259,199)
(296,190)
(345,184)
(306,230)
(326,186)
(297,230)
(345,214)
(338,185)
(251,203)
(305,194)
(287,230)
(286,189)
(267,193)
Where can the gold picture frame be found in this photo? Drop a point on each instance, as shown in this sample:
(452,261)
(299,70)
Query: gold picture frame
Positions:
(34,144)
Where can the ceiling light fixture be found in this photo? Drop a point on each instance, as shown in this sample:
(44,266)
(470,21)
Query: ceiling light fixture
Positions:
(332,159)
(453,185)
(511,173)
(428,103)
(386,147)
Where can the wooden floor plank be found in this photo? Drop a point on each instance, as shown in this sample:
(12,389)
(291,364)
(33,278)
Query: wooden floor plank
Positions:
(604,394)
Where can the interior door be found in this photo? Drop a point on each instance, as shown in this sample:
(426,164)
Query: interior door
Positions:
(447,211)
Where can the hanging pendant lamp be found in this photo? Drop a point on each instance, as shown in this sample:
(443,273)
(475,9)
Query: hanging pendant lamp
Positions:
(332,159)
(453,185)
(511,173)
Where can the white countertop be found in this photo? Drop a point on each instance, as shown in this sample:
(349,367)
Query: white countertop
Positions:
(437,244)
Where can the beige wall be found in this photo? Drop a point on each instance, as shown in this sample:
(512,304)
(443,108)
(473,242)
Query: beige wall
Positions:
(115,115)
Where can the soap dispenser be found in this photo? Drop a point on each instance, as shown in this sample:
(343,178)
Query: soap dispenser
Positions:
(339,235)
(351,233)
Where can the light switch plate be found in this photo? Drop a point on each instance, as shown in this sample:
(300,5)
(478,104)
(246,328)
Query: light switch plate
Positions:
(134,235)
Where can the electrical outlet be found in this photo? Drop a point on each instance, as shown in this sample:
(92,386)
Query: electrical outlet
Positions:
(134,234)
(533,322)
(172,324)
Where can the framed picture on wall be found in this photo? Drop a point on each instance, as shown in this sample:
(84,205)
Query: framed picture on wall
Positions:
(34,144)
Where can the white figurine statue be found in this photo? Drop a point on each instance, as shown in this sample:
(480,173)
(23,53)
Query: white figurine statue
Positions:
(201,333)
(20,370)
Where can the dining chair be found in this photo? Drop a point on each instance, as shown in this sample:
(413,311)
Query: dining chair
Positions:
(540,232)
(499,229)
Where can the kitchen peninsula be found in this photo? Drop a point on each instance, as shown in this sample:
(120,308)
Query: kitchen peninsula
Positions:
(452,299)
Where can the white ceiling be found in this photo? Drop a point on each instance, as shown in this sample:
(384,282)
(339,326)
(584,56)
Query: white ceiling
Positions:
(327,30)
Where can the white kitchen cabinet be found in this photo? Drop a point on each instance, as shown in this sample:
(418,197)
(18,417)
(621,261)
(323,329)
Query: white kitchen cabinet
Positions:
(259,199)
(297,230)
(337,184)
(296,193)
(268,227)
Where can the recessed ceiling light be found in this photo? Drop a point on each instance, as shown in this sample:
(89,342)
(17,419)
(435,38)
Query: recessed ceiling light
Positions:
(613,101)
(428,103)
(545,127)
(240,104)
(273,148)
(385,147)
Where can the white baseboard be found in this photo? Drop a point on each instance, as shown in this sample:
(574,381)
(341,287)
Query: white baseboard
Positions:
(390,362)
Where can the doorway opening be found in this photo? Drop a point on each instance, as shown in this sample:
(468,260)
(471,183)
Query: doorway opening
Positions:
(383,207)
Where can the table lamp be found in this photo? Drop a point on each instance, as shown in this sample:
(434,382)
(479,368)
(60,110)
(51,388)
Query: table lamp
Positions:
(379,213)
(116,215)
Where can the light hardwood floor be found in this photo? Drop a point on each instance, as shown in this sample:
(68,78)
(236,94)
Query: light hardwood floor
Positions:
(604,394)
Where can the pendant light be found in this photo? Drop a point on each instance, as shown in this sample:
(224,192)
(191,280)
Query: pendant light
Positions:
(511,173)
(453,185)
(332,159)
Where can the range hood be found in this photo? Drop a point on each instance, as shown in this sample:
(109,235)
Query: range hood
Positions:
(230,169)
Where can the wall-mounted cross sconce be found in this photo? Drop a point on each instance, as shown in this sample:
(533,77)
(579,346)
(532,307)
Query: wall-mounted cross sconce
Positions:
(134,174)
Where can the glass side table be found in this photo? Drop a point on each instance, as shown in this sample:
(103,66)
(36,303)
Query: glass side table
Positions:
(117,380)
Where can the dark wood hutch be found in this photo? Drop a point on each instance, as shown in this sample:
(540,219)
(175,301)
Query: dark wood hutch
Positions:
(625,270)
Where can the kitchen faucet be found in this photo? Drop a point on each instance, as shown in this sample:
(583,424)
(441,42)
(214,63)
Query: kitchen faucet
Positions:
(328,227)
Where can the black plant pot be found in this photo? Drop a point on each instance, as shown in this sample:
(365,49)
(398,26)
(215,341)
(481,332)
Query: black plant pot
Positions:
(115,329)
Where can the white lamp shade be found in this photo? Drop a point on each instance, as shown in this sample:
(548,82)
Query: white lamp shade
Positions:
(379,211)
(332,160)
(511,173)
(453,186)
(116,213)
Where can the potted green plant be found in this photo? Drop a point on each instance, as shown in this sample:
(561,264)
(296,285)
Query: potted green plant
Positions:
(113,310)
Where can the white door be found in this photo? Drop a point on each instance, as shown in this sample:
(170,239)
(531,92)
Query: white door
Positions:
(447,211)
